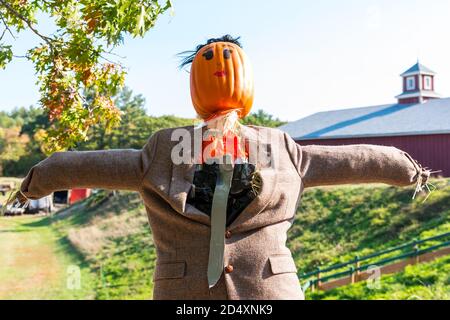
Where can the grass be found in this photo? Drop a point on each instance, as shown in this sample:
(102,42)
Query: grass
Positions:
(336,224)
(37,263)
(112,237)
(428,281)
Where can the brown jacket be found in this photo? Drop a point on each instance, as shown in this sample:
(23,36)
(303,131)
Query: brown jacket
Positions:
(263,267)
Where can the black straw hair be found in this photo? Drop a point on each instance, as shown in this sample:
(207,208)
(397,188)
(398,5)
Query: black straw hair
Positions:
(187,57)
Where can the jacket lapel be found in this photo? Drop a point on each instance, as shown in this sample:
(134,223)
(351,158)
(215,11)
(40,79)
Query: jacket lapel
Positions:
(182,182)
(268,179)
(181,185)
(266,173)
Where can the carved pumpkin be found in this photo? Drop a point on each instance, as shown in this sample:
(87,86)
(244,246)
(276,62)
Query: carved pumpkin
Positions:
(221,80)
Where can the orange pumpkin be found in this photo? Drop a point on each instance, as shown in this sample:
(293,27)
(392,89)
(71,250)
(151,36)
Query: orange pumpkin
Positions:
(221,80)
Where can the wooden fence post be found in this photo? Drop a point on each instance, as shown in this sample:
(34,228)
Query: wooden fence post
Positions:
(319,283)
(416,251)
(357,267)
(352,274)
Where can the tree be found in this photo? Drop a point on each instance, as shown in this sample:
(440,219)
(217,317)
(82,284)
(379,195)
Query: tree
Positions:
(129,133)
(76,58)
(21,132)
(12,145)
(20,146)
(30,119)
(135,127)
(262,118)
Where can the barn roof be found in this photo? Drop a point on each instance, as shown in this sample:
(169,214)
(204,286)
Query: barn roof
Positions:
(432,117)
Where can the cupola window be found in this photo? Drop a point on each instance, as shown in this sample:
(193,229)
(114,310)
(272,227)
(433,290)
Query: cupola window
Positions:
(410,83)
(428,83)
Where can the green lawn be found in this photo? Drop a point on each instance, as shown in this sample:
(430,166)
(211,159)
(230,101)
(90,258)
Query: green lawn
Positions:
(37,263)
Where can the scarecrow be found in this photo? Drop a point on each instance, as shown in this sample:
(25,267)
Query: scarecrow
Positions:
(221,196)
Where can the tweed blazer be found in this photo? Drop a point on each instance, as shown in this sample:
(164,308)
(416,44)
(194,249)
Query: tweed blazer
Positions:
(255,247)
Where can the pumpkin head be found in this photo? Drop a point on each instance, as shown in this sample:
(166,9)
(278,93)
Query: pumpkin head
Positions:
(221,80)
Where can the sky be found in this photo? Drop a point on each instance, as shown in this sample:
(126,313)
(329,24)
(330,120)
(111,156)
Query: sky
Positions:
(308,56)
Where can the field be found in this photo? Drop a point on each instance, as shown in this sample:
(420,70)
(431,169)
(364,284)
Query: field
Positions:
(108,237)
(36,263)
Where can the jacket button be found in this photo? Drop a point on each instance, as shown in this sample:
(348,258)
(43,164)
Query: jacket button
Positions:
(229,268)
(228,234)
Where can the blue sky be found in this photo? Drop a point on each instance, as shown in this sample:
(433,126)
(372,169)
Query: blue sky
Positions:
(308,56)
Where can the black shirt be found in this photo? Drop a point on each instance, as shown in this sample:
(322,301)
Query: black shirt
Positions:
(241,192)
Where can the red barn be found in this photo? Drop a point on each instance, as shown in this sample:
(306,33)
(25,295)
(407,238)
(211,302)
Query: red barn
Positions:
(419,123)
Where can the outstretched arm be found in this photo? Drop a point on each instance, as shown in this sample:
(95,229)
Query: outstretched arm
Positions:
(323,165)
(331,165)
(109,169)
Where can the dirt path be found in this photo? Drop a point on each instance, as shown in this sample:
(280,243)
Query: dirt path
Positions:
(33,264)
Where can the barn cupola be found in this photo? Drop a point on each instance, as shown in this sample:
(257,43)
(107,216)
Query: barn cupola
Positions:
(418,85)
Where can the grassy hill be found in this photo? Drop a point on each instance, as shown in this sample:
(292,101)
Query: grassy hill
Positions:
(113,236)
(335,224)
(332,225)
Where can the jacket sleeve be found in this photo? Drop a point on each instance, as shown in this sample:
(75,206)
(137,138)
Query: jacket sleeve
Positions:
(354,164)
(108,169)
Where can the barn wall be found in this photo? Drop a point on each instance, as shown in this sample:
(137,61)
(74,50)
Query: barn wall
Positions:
(432,151)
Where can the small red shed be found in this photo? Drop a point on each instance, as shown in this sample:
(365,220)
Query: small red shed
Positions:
(78,194)
(71,196)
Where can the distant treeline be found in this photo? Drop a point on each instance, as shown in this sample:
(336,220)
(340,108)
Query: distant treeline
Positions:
(21,129)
